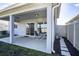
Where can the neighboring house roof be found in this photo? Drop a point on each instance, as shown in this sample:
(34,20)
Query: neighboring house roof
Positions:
(3,27)
(73,19)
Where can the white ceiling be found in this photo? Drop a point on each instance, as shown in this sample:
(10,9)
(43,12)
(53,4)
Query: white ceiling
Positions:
(31,14)
(41,13)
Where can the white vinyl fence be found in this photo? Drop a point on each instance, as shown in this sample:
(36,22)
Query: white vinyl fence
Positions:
(73,33)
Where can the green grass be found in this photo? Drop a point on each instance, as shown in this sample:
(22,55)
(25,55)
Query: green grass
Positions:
(13,50)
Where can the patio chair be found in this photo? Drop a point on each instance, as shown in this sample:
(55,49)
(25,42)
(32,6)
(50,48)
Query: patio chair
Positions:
(43,36)
(36,33)
(40,36)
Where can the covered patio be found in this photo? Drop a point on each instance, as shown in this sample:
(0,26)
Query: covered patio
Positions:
(31,17)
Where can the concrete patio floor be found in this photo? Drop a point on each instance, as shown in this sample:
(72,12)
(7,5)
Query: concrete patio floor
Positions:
(28,42)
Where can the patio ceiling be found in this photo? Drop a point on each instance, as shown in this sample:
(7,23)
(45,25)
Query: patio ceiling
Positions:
(32,14)
(40,13)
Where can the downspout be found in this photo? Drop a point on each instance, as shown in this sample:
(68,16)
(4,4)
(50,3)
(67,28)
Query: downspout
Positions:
(53,16)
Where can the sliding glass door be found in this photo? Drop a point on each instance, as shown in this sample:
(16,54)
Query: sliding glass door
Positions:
(30,29)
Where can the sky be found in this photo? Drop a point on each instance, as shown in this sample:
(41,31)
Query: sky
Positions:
(4,5)
(67,12)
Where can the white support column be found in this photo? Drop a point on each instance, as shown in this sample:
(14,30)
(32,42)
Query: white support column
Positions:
(11,28)
(43,26)
(50,29)
(35,27)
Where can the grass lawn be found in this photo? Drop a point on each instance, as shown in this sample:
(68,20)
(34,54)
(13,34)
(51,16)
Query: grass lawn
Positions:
(13,50)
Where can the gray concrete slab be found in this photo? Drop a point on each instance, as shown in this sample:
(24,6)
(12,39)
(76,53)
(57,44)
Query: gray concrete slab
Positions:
(28,42)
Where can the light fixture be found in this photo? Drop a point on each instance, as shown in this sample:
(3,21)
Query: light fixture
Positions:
(36,14)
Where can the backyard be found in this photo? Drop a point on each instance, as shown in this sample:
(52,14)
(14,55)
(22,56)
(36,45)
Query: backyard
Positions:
(13,50)
(7,49)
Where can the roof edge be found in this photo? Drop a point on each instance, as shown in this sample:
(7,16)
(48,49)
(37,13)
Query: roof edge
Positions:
(12,6)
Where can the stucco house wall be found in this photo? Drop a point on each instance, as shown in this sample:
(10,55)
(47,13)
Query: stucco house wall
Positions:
(22,25)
